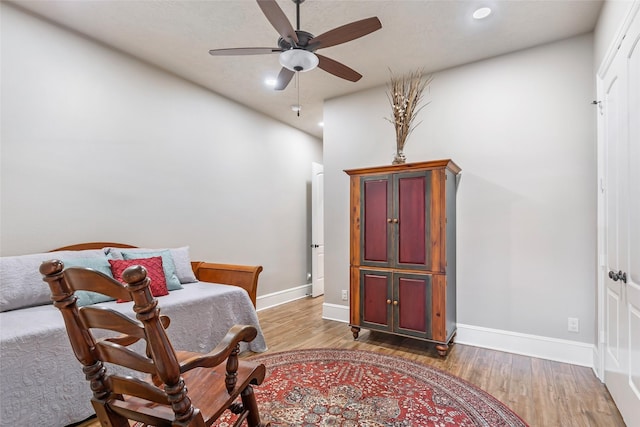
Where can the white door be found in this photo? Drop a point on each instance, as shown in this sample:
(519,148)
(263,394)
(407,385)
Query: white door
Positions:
(619,90)
(317,229)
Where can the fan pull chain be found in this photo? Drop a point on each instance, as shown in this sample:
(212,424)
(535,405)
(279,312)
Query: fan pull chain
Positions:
(298,84)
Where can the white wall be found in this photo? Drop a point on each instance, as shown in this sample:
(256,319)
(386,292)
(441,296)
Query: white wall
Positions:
(99,146)
(522,129)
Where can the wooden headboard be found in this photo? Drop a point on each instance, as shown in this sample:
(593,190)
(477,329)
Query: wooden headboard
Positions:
(92,245)
(244,276)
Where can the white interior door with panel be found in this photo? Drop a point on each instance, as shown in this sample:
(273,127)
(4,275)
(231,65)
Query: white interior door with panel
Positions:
(619,210)
(317,229)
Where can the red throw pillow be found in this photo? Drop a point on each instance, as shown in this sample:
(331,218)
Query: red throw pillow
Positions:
(154,269)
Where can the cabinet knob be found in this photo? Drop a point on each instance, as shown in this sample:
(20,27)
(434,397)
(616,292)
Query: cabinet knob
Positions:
(389,220)
(395,220)
(395,303)
(388,301)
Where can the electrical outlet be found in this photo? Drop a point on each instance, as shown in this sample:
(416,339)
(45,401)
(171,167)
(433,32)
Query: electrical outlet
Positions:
(345,295)
(573,324)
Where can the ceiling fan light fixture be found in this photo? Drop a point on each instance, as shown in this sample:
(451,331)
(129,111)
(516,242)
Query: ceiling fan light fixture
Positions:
(298,60)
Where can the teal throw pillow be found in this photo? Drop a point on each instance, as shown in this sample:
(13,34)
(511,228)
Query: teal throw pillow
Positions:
(99,264)
(173,283)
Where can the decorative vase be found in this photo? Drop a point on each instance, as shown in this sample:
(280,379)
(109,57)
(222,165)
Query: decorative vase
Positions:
(405,97)
(399,158)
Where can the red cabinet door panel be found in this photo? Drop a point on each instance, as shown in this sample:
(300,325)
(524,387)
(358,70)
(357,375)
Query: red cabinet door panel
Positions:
(412,313)
(412,193)
(375,226)
(375,293)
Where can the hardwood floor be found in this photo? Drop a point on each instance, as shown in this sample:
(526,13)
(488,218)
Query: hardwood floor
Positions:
(542,392)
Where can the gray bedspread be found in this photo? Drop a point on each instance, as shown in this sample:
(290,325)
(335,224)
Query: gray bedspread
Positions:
(41,382)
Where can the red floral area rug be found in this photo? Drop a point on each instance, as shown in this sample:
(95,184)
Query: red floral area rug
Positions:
(359,388)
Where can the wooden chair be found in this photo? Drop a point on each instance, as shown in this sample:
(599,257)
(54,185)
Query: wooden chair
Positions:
(184,388)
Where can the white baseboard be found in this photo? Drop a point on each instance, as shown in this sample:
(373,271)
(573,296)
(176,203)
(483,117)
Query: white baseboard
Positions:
(573,352)
(281,297)
(339,313)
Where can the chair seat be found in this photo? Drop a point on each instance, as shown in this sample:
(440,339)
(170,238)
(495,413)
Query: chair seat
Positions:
(214,397)
(212,400)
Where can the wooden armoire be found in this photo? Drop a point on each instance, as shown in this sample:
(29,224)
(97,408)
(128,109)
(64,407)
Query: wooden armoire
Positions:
(403,250)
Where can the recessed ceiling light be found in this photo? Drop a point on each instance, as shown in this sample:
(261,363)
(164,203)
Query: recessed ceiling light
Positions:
(482,13)
(270,82)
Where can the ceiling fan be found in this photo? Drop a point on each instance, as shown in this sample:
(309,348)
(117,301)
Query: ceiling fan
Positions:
(297,48)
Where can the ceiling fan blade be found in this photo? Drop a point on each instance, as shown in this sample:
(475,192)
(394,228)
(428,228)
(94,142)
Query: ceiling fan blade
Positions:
(284,78)
(278,19)
(338,69)
(245,51)
(345,33)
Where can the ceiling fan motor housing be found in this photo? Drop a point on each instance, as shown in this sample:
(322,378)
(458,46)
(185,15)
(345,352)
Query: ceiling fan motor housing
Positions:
(303,41)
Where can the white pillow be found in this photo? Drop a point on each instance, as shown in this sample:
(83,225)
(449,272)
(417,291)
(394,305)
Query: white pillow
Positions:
(21,283)
(182,261)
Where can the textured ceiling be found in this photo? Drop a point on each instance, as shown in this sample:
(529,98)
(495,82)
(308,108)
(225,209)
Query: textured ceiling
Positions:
(176,35)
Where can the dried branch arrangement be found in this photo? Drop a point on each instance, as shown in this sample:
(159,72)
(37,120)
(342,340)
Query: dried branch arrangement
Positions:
(405,95)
